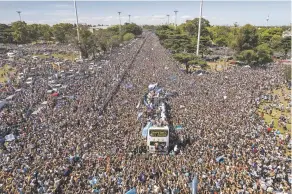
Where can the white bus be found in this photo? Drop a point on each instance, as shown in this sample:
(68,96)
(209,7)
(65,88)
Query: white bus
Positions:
(158,139)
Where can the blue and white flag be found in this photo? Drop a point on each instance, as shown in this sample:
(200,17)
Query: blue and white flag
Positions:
(145,129)
(132,191)
(194,185)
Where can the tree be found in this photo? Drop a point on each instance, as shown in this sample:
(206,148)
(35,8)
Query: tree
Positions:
(87,43)
(286,45)
(261,55)
(132,28)
(264,54)
(275,42)
(179,43)
(128,36)
(220,35)
(33,31)
(20,32)
(265,34)
(164,32)
(45,32)
(248,57)
(63,32)
(192,26)
(247,38)
(5,34)
(114,29)
(205,43)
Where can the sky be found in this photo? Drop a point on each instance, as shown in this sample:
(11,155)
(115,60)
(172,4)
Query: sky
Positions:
(147,12)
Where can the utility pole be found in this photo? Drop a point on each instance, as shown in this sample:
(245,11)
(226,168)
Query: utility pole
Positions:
(129,19)
(167,19)
(175,17)
(199,30)
(77,26)
(19,12)
(120,21)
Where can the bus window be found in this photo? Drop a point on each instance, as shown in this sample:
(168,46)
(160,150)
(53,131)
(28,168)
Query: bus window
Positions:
(158,133)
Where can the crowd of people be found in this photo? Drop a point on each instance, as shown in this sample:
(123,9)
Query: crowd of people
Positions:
(71,146)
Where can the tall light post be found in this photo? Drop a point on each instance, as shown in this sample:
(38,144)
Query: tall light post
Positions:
(268,18)
(77,26)
(129,19)
(19,12)
(175,17)
(120,21)
(199,30)
(167,19)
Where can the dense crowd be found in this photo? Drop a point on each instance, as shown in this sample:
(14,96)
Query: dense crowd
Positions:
(71,146)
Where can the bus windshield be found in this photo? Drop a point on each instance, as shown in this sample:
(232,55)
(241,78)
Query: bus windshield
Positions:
(158,133)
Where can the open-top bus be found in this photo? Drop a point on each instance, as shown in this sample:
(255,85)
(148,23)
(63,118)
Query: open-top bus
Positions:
(156,130)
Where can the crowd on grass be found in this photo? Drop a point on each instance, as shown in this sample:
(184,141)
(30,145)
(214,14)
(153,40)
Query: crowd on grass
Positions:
(72,146)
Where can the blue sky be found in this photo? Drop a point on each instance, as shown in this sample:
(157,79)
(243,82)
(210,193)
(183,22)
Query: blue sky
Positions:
(147,12)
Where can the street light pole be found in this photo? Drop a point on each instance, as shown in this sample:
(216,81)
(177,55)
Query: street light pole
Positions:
(19,12)
(120,21)
(268,20)
(77,26)
(129,19)
(167,19)
(175,17)
(199,30)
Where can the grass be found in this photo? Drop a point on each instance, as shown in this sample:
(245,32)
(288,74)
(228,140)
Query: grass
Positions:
(5,69)
(277,113)
(218,66)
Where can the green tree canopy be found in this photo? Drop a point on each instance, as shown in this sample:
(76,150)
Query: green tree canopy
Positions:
(191,27)
(247,56)
(286,45)
(128,36)
(5,34)
(132,28)
(247,38)
(264,54)
(20,32)
(63,32)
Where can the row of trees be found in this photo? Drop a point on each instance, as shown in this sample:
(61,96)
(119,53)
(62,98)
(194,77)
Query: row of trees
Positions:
(253,45)
(91,42)
(102,40)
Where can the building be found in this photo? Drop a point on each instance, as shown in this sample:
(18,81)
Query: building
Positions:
(94,28)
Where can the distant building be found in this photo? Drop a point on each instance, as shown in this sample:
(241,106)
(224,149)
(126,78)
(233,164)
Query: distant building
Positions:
(99,27)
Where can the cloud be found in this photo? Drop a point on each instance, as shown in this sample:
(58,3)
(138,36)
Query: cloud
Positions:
(60,12)
(158,16)
(186,17)
(68,20)
(27,13)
